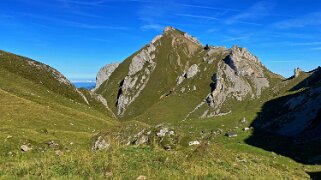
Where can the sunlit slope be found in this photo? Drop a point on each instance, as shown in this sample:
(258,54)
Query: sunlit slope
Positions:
(30,112)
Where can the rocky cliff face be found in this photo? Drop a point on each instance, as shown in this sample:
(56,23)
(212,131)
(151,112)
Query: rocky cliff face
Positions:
(239,75)
(139,72)
(174,64)
(104,74)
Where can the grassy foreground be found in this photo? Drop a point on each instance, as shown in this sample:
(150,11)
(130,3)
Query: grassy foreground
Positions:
(203,162)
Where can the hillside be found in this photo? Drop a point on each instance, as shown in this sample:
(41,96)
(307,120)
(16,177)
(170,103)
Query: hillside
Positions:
(174,109)
(39,104)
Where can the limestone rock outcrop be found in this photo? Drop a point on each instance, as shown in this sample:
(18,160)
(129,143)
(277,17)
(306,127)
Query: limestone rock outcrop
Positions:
(191,72)
(140,69)
(104,74)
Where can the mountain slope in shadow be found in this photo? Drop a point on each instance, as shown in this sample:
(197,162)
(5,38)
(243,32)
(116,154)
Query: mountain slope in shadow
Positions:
(291,125)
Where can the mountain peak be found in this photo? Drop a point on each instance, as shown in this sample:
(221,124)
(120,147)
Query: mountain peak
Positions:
(243,53)
(168,29)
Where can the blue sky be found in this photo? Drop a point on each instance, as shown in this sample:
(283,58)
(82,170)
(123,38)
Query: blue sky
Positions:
(78,37)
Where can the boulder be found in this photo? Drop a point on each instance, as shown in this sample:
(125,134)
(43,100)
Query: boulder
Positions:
(25,148)
(141,177)
(162,132)
(100,144)
(52,144)
(192,71)
(143,139)
(193,143)
(231,134)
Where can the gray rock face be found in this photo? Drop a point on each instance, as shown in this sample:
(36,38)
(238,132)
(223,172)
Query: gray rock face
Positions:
(212,54)
(145,56)
(227,84)
(100,144)
(247,65)
(239,76)
(140,69)
(141,138)
(104,74)
(191,72)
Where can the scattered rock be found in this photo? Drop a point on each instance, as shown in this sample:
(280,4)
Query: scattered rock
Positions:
(52,144)
(193,143)
(108,174)
(167,147)
(100,144)
(180,80)
(10,153)
(243,121)
(59,153)
(162,132)
(183,90)
(25,148)
(231,134)
(141,177)
(142,140)
(246,129)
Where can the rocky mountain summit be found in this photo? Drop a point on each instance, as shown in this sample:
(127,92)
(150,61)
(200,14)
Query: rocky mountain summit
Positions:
(176,64)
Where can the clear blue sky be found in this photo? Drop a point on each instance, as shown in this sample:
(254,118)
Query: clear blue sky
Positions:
(77,37)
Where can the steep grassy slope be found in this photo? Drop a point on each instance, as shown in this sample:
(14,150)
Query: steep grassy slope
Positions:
(40,74)
(33,110)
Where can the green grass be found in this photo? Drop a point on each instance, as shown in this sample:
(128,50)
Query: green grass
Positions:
(204,162)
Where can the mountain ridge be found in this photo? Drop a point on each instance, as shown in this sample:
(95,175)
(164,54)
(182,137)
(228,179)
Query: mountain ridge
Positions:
(187,56)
